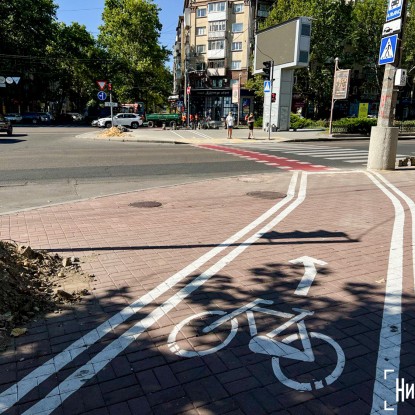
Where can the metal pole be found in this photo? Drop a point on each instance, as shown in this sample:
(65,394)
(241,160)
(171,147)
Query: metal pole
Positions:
(112,115)
(270,99)
(336,67)
(239,100)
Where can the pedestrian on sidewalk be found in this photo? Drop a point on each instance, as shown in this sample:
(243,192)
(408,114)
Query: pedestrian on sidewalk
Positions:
(229,122)
(251,121)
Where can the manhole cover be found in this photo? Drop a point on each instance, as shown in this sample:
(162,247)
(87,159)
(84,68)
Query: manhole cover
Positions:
(267,195)
(146,204)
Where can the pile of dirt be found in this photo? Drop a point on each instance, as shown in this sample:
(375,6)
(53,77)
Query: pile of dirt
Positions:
(34,282)
(112,132)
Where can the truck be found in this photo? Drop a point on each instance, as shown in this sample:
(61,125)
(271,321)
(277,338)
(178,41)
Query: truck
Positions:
(158,120)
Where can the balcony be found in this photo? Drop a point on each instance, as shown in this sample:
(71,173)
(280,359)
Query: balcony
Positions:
(220,34)
(216,71)
(216,54)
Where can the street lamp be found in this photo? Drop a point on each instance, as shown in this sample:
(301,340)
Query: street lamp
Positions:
(336,68)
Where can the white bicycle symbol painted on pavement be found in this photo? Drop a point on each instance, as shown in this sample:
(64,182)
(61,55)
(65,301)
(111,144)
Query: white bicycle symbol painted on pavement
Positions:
(264,344)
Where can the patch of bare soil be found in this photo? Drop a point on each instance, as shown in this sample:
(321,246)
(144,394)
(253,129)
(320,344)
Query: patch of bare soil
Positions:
(112,132)
(34,282)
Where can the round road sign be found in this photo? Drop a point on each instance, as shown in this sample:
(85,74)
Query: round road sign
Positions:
(102,95)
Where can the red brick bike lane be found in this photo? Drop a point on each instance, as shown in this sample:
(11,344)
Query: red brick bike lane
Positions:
(298,310)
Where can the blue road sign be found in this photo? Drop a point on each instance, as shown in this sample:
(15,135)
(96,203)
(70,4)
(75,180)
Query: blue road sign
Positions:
(267,86)
(102,95)
(394,9)
(388,46)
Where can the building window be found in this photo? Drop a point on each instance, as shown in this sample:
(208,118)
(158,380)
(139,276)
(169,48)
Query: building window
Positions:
(217,26)
(201,66)
(216,45)
(236,46)
(201,12)
(200,31)
(238,8)
(199,83)
(200,49)
(217,82)
(237,27)
(217,7)
(236,65)
(263,10)
(218,63)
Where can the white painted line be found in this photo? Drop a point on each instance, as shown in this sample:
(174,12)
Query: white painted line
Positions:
(348,157)
(174,132)
(77,379)
(364,160)
(11,395)
(391,330)
(411,206)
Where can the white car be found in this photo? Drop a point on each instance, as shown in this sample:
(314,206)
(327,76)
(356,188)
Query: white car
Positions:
(127,120)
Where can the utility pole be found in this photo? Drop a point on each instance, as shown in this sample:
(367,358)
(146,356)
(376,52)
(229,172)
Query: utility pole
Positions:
(239,99)
(384,137)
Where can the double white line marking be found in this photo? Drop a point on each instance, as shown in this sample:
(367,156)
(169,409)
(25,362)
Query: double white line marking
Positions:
(76,380)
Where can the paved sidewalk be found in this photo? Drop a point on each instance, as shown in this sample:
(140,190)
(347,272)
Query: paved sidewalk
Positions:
(328,254)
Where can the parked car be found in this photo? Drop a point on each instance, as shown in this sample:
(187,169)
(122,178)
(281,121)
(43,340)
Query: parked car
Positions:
(13,117)
(6,126)
(75,116)
(45,117)
(127,120)
(31,117)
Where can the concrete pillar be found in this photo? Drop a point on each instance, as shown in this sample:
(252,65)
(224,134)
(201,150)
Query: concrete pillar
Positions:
(281,108)
(382,148)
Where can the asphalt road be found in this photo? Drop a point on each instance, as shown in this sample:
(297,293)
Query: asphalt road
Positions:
(46,165)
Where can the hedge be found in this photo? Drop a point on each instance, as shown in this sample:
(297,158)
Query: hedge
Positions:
(355,125)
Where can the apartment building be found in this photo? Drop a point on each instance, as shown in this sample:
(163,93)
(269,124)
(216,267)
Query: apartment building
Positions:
(212,56)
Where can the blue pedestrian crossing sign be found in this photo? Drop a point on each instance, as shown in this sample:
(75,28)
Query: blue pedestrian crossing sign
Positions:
(387,51)
(267,86)
(102,95)
(394,9)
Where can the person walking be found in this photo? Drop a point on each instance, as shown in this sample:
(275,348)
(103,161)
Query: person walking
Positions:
(251,121)
(229,123)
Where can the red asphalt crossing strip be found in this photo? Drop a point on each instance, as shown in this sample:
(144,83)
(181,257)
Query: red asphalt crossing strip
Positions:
(273,161)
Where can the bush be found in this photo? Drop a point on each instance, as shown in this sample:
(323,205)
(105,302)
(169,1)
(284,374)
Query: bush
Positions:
(258,122)
(297,122)
(355,125)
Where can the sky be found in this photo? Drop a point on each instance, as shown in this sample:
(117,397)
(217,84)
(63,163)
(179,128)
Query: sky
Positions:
(88,13)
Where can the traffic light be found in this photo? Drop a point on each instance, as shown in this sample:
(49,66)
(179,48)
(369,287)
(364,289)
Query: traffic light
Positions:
(273,97)
(267,69)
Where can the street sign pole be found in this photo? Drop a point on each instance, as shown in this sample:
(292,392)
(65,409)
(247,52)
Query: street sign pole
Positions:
(270,99)
(336,68)
(384,137)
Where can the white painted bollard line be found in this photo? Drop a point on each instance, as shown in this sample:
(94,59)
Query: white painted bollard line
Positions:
(77,379)
(14,393)
(384,390)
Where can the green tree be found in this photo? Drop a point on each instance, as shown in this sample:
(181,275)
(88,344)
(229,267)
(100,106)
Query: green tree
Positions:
(130,35)
(368,18)
(331,20)
(77,63)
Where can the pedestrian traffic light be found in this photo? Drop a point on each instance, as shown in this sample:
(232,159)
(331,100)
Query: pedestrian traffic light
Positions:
(267,69)
(273,97)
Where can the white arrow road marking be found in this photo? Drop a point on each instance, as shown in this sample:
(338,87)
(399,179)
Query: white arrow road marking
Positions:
(14,393)
(77,379)
(310,273)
